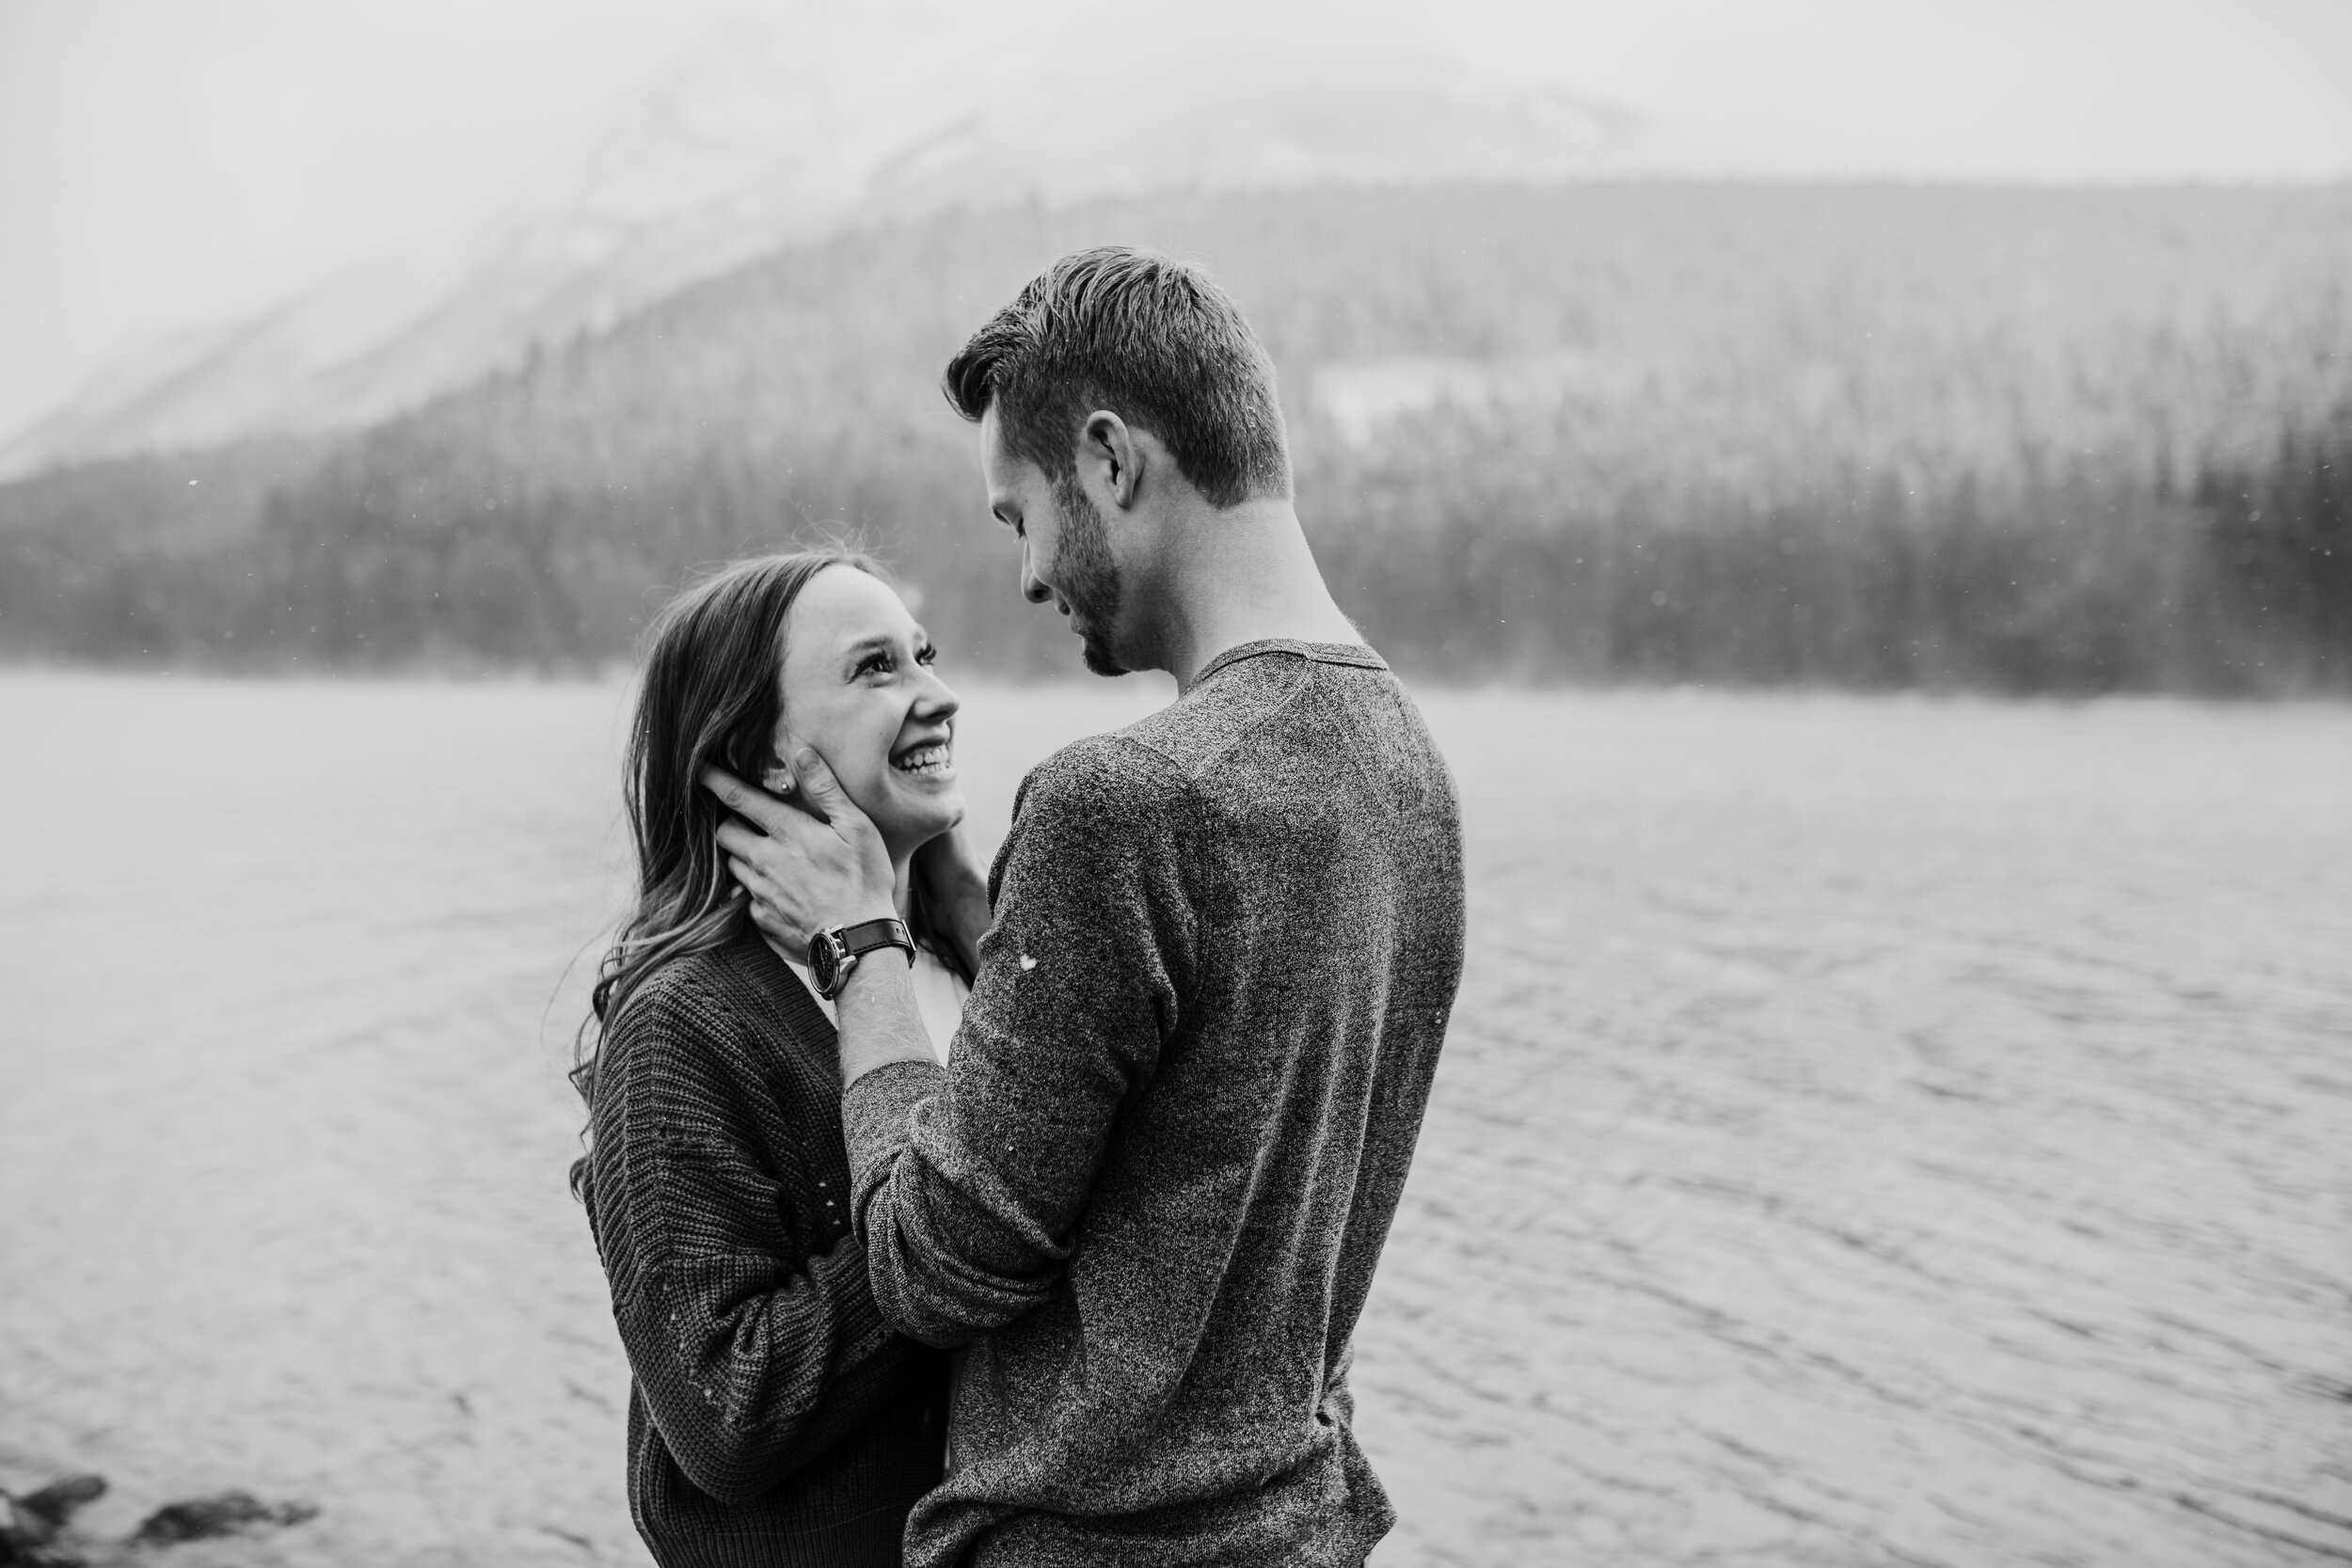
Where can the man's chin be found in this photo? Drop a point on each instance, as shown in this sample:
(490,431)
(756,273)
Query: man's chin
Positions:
(1098,658)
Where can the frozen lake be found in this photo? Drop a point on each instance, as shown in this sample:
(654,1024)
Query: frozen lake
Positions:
(1873,1131)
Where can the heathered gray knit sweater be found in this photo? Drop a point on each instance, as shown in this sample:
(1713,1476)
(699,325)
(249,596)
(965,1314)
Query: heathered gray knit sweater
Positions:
(1150,1189)
(774,1420)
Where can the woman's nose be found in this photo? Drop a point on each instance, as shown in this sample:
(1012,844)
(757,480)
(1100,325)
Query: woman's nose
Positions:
(938,700)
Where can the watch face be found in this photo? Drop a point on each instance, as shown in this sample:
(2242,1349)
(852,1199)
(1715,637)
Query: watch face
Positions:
(824,962)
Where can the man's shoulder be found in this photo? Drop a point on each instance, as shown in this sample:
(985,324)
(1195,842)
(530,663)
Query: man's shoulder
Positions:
(1194,736)
(1102,779)
(1156,761)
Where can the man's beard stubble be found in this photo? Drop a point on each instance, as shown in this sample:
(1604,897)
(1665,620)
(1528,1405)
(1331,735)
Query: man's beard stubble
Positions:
(1087,578)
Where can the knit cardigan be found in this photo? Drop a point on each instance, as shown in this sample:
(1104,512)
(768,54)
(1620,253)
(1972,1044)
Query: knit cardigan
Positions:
(773,1417)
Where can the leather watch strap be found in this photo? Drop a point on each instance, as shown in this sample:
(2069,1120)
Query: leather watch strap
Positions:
(832,955)
(863,938)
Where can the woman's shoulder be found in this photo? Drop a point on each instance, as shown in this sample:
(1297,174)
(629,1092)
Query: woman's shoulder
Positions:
(722,1000)
(688,989)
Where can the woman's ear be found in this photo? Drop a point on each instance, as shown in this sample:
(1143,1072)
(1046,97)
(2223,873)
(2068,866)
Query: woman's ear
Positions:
(777,779)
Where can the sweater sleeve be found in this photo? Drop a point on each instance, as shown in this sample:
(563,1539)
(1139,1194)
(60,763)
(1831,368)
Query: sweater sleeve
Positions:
(969,1181)
(752,1360)
(1338,1394)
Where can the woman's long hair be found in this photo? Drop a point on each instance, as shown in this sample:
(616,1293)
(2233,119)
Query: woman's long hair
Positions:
(710,698)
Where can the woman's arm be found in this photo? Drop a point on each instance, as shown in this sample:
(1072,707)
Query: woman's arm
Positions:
(752,1361)
(954,890)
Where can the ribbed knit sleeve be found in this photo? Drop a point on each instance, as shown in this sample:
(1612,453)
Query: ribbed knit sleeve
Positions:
(754,1354)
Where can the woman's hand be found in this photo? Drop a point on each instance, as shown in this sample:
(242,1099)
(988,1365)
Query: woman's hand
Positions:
(954,886)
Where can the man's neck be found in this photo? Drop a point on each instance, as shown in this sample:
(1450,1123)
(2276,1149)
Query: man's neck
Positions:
(1242,574)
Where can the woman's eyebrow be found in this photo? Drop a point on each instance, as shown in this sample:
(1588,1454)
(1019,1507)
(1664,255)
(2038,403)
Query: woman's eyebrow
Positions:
(872,642)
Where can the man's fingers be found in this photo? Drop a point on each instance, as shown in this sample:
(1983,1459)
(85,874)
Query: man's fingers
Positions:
(750,877)
(777,929)
(820,789)
(740,841)
(758,806)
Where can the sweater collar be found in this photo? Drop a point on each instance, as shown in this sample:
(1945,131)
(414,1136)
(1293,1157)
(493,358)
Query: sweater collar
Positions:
(1322,653)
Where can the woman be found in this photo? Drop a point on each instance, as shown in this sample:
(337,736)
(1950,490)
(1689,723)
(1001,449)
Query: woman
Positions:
(773,1418)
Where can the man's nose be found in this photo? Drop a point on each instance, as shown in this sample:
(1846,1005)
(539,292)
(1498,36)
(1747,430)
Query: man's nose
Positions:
(1031,589)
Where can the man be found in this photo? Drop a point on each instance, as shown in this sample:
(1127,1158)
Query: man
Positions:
(1147,1195)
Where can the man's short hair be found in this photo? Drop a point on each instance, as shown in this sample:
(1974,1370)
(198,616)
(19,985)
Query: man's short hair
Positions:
(1152,339)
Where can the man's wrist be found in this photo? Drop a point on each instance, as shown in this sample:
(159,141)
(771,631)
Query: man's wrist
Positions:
(837,952)
(860,983)
(877,911)
(880,1023)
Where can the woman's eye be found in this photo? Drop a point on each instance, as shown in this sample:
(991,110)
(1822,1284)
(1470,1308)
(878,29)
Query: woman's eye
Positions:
(927,655)
(874,664)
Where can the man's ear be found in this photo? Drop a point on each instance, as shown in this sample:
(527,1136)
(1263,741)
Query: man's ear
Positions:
(1109,453)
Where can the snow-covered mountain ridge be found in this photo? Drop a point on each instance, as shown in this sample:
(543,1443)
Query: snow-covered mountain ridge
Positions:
(786,133)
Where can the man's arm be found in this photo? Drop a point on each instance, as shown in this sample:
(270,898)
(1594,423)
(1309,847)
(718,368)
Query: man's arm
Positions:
(969,1184)
(969,1181)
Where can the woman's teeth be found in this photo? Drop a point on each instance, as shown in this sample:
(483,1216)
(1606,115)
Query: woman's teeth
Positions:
(924,759)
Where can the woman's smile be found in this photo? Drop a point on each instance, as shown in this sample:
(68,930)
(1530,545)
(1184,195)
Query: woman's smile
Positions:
(930,758)
(857,684)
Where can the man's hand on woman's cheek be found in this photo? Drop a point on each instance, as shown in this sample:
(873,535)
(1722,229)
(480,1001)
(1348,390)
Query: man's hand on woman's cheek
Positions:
(806,873)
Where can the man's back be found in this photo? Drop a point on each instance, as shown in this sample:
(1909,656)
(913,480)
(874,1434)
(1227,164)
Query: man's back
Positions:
(1152,1188)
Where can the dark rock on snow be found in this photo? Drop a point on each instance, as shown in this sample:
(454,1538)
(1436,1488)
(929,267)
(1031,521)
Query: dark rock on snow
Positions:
(58,1501)
(222,1514)
(32,1527)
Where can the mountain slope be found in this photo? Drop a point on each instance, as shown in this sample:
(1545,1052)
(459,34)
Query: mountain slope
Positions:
(785,134)
(1881,436)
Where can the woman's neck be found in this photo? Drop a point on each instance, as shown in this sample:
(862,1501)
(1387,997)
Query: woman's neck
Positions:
(901,884)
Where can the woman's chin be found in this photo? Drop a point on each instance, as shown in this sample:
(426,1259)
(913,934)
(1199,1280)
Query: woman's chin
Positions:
(917,822)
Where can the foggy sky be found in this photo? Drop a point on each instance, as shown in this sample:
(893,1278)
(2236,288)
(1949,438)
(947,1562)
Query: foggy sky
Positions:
(164,164)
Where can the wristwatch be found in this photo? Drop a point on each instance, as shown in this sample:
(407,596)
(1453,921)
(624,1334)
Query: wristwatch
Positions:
(832,954)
